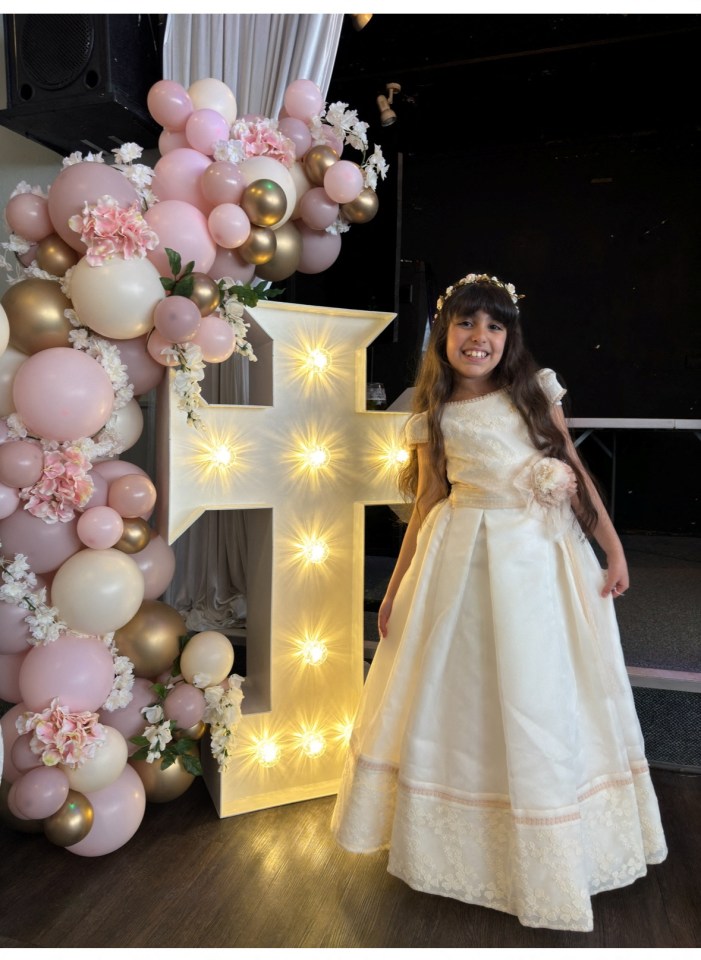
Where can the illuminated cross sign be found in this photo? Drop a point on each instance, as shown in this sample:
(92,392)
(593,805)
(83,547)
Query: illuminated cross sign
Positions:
(304,458)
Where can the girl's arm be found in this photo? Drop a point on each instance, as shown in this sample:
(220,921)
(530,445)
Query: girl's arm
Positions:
(617,580)
(429,491)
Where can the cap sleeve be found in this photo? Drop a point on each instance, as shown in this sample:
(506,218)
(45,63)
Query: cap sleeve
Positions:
(549,382)
(416,430)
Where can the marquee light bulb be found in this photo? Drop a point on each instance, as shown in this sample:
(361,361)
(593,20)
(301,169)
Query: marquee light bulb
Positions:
(314,652)
(312,743)
(318,360)
(267,752)
(222,455)
(315,550)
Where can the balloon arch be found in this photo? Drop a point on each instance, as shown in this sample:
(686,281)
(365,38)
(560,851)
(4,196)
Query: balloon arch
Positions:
(116,272)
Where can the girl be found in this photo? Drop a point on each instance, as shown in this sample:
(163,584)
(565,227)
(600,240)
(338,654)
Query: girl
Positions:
(496,751)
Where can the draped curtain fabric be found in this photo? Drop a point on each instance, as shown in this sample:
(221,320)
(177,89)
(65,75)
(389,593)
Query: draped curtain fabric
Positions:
(257,56)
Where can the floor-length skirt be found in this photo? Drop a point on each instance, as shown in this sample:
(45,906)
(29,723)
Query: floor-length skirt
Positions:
(496,751)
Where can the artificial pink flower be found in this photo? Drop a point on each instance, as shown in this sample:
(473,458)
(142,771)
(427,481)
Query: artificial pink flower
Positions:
(63,487)
(261,138)
(60,736)
(109,230)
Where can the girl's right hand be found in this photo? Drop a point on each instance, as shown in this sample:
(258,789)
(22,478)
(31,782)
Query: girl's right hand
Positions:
(383,616)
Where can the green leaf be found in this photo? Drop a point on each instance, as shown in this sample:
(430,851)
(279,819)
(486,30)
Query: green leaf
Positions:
(167,283)
(139,740)
(184,286)
(174,261)
(160,690)
(167,760)
(192,765)
(188,269)
(140,754)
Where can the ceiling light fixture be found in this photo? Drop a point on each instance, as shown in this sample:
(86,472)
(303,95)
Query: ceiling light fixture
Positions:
(384,105)
(361,20)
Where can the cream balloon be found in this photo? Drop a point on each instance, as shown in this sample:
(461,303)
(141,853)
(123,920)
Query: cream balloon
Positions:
(118,298)
(128,423)
(4,330)
(302,184)
(99,771)
(97,591)
(265,168)
(208,657)
(10,362)
(209,93)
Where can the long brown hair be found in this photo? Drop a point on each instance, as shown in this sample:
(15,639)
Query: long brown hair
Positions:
(517,371)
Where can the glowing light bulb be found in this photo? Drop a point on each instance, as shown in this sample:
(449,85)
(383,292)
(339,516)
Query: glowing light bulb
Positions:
(318,361)
(267,752)
(312,743)
(314,651)
(315,550)
(316,457)
(222,455)
(401,456)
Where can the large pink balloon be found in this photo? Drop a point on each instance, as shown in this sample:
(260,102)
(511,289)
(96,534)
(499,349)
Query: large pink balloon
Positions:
(132,495)
(298,132)
(319,249)
(63,394)
(10,666)
(170,140)
(228,263)
(9,500)
(14,629)
(176,176)
(169,104)
(22,754)
(100,527)
(183,228)
(222,182)
(118,810)
(229,225)
(185,705)
(77,669)
(317,209)
(97,591)
(45,545)
(21,462)
(129,720)
(143,371)
(10,735)
(82,183)
(203,128)
(303,99)
(157,564)
(110,469)
(99,492)
(343,181)
(28,215)
(39,792)
(216,338)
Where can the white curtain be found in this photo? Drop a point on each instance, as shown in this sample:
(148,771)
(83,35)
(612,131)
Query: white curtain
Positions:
(257,56)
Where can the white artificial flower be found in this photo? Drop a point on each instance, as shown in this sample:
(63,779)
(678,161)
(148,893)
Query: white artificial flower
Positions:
(127,152)
(154,713)
(201,680)
(230,150)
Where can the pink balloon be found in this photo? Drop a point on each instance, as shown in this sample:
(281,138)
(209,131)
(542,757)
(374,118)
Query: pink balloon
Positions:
(169,104)
(46,545)
(26,259)
(82,183)
(129,720)
(40,792)
(14,629)
(10,666)
(185,705)
(118,810)
(298,132)
(176,176)
(157,564)
(98,497)
(222,182)
(156,344)
(170,140)
(143,371)
(317,209)
(111,469)
(319,249)
(76,668)
(228,263)
(100,527)
(28,216)
(176,319)
(331,140)
(229,225)
(63,394)
(23,757)
(21,462)
(10,734)
(9,500)
(303,99)
(203,128)
(182,227)
(343,181)
(216,338)
(132,495)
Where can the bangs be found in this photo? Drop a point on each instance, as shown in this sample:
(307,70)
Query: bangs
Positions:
(472,297)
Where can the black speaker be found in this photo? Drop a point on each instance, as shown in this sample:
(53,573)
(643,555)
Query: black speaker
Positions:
(80,81)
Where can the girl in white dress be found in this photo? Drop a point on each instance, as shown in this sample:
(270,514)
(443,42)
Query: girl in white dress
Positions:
(496,752)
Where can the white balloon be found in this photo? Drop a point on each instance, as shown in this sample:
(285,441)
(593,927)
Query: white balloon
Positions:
(208,654)
(97,591)
(118,298)
(4,330)
(104,768)
(213,95)
(10,362)
(265,168)
(302,184)
(129,423)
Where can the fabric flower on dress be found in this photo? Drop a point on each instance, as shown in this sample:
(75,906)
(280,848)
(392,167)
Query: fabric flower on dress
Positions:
(548,485)
(60,736)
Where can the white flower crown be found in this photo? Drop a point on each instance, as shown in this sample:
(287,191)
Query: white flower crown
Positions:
(476,278)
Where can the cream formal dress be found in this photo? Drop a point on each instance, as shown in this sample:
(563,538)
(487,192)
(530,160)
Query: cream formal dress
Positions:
(496,752)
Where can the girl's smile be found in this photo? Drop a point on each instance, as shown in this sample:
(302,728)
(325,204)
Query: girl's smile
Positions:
(474,346)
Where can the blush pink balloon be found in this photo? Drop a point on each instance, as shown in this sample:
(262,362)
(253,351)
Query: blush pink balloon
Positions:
(331,140)
(21,462)
(129,720)
(100,527)
(182,227)
(343,181)
(176,176)
(228,263)
(81,183)
(39,792)
(185,705)
(46,545)
(222,182)
(9,500)
(319,249)
(203,128)
(156,345)
(10,666)
(303,99)
(298,132)
(76,668)
(143,371)
(98,498)
(132,495)
(177,318)
(63,394)
(118,810)
(157,565)
(111,469)
(216,339)
(14,629)
(22,754)
(28,215)
(229,225)
(317,209)
(10,735)
(170,140)
(169,104)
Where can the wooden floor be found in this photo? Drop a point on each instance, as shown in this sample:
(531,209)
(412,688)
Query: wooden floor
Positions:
(275,878)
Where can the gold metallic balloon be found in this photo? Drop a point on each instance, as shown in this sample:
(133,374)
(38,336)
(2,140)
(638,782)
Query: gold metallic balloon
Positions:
(9,819)
(317,161)
(195,732)
(362,209)
(160,785)
(151,639)
(287,254)
(55,256)
(260,246)
(71,822)
(205,294)
(264,202)
(34,310)
(135,536)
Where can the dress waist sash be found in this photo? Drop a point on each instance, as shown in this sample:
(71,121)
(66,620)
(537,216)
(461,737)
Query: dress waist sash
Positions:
(464,495)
